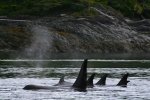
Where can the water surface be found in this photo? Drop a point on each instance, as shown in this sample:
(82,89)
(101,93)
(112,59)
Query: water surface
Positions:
(14,75)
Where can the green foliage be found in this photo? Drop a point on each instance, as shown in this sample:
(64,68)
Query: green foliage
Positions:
(86,12)
(129,8)
(103,2)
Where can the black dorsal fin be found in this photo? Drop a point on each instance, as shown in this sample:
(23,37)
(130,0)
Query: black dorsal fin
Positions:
(90,80)
(124,81)
(81,82)
(102,81)
(61,80)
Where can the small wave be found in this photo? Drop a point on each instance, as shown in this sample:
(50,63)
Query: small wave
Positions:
(72,60)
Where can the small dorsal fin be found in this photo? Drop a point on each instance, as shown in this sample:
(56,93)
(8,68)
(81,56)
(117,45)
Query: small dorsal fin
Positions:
(90,80)
(102,81)
(81,82)
(61,80)
(123,81)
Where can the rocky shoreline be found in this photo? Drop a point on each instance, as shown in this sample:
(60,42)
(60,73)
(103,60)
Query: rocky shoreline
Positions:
(106,33)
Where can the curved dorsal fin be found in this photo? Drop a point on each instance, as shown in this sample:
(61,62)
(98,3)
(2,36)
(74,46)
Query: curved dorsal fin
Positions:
(81,82)
(90,80)
(61,80)
(102,81)
(124,81)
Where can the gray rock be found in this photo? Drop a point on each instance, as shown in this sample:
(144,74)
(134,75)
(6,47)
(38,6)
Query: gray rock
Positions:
(106,33)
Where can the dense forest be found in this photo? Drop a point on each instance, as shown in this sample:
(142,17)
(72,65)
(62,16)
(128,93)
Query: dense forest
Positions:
(129,8)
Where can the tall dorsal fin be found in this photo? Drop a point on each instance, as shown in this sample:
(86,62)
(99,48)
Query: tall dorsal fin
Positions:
(61,80)
(124,81)
(90,80)
(81,82)
(102,81)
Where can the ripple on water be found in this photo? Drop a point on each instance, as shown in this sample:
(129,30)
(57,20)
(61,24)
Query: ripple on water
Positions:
(138,89)
(11,87)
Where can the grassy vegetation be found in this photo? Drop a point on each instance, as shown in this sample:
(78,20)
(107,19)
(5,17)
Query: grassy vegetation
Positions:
(129,8)
(132,8)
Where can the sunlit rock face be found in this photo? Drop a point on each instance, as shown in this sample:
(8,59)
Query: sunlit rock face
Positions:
(108,32)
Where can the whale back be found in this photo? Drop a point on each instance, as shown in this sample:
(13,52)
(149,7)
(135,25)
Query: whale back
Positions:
(35,87)
(30,87)
(90,80)
(102,81)
(123,82)
(81,82)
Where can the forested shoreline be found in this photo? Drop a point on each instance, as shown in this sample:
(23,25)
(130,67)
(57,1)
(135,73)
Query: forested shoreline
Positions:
(136,9)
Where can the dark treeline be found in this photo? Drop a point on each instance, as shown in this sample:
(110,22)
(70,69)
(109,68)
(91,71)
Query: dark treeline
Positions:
(129,8)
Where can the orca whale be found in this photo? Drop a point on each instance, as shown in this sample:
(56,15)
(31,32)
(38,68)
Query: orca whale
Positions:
(102,81)
(80,84)
(36,87)
(62,82)
(90,81)
(123,82)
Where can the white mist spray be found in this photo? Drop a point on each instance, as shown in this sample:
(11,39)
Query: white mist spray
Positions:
(41,43)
